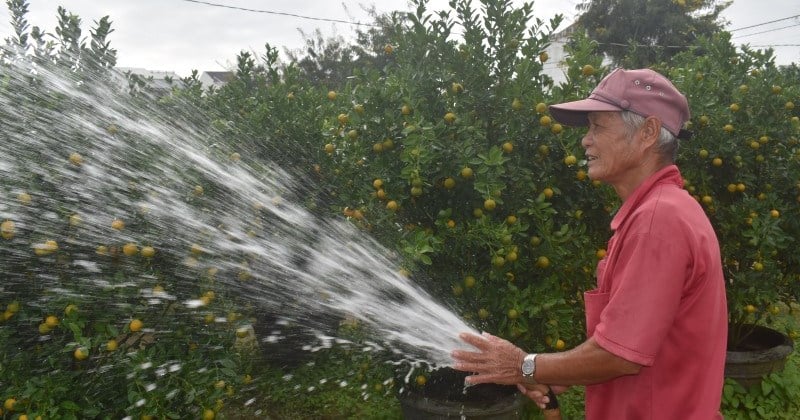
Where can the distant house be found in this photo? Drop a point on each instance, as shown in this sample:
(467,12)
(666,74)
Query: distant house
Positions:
(555,66)
(158,81)
(216,79)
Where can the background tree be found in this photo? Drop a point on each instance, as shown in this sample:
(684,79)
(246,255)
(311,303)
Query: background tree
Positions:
(638,33)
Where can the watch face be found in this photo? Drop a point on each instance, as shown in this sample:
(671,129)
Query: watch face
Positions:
(527,366)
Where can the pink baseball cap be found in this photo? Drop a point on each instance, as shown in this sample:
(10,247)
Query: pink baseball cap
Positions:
(643,92)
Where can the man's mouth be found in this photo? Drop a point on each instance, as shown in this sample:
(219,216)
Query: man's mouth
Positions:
(590,158)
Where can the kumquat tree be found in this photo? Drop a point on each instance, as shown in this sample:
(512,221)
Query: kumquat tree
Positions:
(153,241)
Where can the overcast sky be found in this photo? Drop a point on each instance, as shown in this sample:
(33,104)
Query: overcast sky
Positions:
(181,35)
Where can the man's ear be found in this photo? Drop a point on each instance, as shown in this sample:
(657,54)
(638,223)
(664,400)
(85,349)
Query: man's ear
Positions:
(650,131)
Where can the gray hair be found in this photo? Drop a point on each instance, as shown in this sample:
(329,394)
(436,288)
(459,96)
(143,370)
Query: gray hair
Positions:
(667,145)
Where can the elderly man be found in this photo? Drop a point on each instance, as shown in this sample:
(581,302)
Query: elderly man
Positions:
(657,321)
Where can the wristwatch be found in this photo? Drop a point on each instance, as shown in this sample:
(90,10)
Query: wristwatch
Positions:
(529,368)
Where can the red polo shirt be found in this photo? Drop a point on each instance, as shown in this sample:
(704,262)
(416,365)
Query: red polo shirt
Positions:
(660,302)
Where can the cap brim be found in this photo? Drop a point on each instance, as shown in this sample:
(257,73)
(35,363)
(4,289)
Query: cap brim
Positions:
(576,113)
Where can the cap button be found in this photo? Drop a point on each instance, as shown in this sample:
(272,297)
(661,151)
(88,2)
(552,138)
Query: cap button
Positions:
(624,104)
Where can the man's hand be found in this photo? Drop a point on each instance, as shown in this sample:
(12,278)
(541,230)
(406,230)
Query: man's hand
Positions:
(538,392)
(497,361)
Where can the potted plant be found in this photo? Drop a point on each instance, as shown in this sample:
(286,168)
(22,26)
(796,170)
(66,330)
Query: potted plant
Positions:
(743,166)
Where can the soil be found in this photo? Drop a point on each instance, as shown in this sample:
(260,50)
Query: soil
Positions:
(448,384)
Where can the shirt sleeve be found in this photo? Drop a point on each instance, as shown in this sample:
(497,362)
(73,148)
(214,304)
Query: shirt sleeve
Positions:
(644,297)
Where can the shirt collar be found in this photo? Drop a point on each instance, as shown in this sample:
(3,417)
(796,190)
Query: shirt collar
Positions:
(667,175)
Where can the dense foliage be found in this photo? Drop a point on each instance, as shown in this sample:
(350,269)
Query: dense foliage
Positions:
(439,146)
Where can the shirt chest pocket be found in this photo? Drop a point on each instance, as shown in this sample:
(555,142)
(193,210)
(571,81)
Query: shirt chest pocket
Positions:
(595,301)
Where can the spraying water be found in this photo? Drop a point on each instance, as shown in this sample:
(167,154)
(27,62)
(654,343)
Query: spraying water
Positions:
(104,164)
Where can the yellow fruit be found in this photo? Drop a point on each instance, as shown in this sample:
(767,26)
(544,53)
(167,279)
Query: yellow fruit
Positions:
(24,198)
(704,120)
(392,205)
(44,328)
(76,159)
(456,87)
(46,248)
(556,128)
(449,118)
(511,219)
(235,156)
(498,261)
(9,404)
(516,104)
(717,162)
(587,70)
(458,290)
(343,119)
(728,128)
(545,121)
(329,148)
(740,187)
(750,309)
(75,220)
(352,134)
(508,147)
(405,110)
(543,56)
(513,314)
(601,253)
(489,204)
(466,172)
(331,95)
(196,249)
(71,308)
(775,213)
(451,223)
(469,282)
(580,175)
(548,192)
(388,49)
(734,107)
(380,194)
(148,251)
(707,200)
(421,380)
(111,345)
(198,190)
(241,332)
(560,345)
(118,224)
(541,108)
(570,160)
(208,414)
(757,266)
(449,183)
(789,105)
(135,325)
(51,321)
(81,353)
(776,89)
(416,191)
(7,229)
(130,249)
(290,96)
(102,250)
(543,262)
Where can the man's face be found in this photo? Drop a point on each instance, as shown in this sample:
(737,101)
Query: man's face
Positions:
(611,151)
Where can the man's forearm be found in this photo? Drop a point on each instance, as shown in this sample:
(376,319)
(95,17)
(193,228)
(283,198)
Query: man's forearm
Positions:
(584,365)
